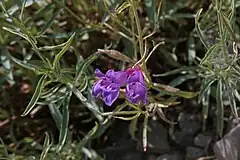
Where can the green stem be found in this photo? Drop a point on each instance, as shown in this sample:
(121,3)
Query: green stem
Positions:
(120,113)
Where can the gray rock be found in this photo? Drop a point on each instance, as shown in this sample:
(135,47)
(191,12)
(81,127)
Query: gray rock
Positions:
(183,139)
(233,122)
(229,146)
(170,156)
(151,157)
(203,140)
(132,155)
(189,123)
(194,153)
(157,137)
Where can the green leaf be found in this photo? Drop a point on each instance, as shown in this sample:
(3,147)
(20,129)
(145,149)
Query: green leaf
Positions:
(205,103)
(199,31)
(231,98)
(115,55)
(206,84)
(82,67)
(181,79)
(212,50)
(78,94)
(184,69)
(133,128)
(122,7)
(50,91)
(191,49)
(87,102)
(168,90)
(227,24)
(35,96)
(23,64)
(16,32)
(89,135)
(46,48)
(220,109)
(46,147)
(64,124)
(151,10)
(22,9)
(56,114)
(60,54)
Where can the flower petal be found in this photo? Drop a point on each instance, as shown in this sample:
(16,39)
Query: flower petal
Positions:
(96,89)
(111,97)
(110,73)
(99,74)
(120,77)
(136,92)
(136,76)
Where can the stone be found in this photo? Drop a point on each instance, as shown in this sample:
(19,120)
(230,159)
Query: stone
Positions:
(182,139)
(157,137)
(189,123)
(170,156)
(132,155)
(229,146)
(203,140)
(194,153)
(233,122)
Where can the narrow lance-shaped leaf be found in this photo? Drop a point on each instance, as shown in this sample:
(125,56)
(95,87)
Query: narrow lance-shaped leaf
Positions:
(133,128)
(168,90)
(60,54)
(205,86)
(89,135)
(84,65)
(210,52)
(220,110)
(115,55)
(199,31)
(231,98)
(226,22)
(181,79)
(184,69)
(65,120)
(35,96)
(205,107)
(121,8)
(46,147)
(56,114)
(205,103)
(191,49)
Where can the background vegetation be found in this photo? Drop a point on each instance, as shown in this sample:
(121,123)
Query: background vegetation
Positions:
(49,50)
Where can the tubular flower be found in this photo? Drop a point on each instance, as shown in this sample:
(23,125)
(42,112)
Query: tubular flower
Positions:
(136,90)
(108,86)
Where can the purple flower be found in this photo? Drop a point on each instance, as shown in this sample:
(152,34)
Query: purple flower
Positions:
(108,86)
(136,89)
(136,92)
